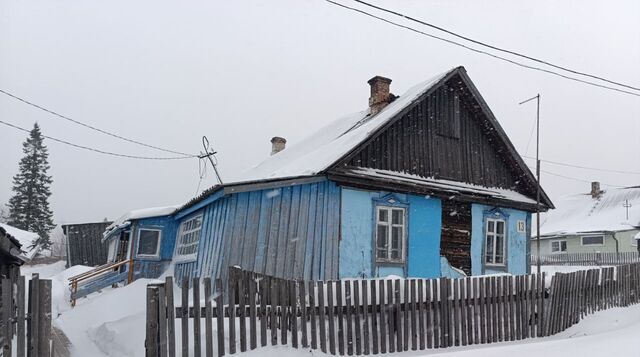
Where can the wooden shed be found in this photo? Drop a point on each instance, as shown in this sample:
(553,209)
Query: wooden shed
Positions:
(84,243)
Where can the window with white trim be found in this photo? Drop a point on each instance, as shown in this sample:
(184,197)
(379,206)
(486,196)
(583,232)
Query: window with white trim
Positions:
(189,239)
(558,246)
(495,243)
(592,240)
(391,228)
(148,242)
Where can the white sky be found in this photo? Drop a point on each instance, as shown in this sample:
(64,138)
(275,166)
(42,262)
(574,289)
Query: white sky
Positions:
(240,72)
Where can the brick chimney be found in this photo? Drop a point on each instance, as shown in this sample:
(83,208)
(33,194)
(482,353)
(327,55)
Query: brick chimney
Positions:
(596,192)
(277,144)
(380,95)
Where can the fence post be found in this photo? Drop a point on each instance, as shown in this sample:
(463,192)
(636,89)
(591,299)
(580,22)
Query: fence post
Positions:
(151,341)
(6,316)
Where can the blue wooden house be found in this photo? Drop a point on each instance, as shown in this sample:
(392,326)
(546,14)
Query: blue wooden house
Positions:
(425,184)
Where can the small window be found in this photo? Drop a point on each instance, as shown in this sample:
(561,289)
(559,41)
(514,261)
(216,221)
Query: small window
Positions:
(148,242)
(189,239)
(593,240)
(390,234)
(559,246)
(495,252)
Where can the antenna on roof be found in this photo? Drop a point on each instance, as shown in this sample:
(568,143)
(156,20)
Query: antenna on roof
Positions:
(627,205)
(211,155)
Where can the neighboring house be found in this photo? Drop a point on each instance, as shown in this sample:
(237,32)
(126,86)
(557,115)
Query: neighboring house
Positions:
(26,240)
(11,255)
(423,185)
(84,243)
(598,221)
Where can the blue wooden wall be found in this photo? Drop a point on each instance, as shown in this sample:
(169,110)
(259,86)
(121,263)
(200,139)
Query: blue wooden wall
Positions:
(517,242)
(290,232)
(153,267)
(356,246)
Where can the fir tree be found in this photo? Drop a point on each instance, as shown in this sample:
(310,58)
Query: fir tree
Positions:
(29,206)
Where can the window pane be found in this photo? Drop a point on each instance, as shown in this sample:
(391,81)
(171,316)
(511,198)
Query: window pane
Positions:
(148,242)
(396,235)
(500,227)
(382,254)
(498,259)
(490,226)
(383,215)
(398,216)
(382,239)
(395,254)
(489,246)
(563,246)
(499,247)
(592,240)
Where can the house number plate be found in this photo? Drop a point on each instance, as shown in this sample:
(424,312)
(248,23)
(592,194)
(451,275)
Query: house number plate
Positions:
(522,226)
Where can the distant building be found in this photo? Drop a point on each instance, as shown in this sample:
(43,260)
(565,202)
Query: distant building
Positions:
(598,221)
(84,243)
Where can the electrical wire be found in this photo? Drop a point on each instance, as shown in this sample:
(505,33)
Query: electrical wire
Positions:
(584,167)
(98,150)
(495,47)
(481,51)
(577,179)
(92,127)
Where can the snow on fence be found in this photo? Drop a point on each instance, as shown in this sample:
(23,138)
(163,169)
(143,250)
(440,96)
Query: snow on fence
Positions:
(587,259)
(25,320)
(376,316)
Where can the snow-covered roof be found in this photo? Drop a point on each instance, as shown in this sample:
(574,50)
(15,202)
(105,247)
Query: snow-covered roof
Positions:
(25,238)
(125,220)
(582,214)
(321,149)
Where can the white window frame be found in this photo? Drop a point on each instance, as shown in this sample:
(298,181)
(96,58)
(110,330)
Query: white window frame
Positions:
(591,236)
(389,225)
(157,253)
(559,241)
(184,258)
(495,234)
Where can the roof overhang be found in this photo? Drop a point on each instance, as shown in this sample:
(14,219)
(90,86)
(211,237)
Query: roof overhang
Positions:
(422,186)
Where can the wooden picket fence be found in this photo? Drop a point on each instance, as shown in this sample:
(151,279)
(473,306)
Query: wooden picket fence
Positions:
(376,316)
(587,259)
(25,319)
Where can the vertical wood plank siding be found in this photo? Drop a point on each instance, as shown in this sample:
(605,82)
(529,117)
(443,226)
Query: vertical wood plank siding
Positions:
(445,135)
(85,245)
(290,232)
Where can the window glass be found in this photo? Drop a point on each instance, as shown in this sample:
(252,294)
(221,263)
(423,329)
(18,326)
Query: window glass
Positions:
(390,234)
(593,240)
(148,242)
(495,242)
(189,238)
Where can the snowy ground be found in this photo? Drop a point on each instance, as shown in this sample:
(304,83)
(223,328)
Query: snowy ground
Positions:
(112,323)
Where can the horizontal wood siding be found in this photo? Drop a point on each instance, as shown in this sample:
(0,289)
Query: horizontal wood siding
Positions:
(289,232)
(447,136)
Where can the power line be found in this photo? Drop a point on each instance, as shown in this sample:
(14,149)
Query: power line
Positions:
(584,167)
(92,127)
(577,179)
(97,150)
(481,51)
(494,47)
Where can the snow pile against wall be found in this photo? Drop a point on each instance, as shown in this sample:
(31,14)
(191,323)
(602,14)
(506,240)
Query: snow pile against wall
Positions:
(582,213)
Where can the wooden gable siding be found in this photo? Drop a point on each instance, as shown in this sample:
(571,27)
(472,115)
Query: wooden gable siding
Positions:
(289,232)
(445,135)
(455,240)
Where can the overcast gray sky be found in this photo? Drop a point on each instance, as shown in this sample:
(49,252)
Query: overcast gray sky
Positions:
(240,72)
